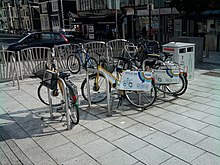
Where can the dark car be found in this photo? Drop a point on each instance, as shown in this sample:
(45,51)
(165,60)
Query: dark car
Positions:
(38,39)
(69,34)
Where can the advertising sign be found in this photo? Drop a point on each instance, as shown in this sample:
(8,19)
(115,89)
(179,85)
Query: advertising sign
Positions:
(136,80)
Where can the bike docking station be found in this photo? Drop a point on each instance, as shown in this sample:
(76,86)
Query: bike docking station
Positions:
(50,80)
(109,111)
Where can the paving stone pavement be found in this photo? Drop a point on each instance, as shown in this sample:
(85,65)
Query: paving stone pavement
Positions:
(174,131)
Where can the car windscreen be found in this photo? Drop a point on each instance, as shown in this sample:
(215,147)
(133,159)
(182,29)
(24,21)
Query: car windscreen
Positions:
(31,38)
(51,37)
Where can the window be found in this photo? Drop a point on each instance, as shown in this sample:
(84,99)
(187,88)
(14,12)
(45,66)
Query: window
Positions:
(55,6)
(44,7)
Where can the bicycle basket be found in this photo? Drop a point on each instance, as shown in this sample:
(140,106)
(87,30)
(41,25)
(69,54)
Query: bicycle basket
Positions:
(50,79)
(109,66)
(39,70)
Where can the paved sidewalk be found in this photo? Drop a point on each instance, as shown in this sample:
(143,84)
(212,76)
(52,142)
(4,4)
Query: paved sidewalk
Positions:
(174,131)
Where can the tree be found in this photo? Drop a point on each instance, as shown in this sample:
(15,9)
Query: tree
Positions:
(189,7)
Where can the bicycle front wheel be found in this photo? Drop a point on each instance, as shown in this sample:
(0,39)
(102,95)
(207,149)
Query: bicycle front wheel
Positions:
(142,99)
(97,88)
(56,96)
(73,64)
(73,105)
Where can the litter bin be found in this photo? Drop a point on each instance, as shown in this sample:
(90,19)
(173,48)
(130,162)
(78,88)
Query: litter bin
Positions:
(183,53)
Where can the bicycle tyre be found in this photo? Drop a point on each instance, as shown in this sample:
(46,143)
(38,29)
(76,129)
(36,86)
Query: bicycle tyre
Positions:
(174,89)
(134,97)
(73,106)
(73,64)
(43,96)
(97,93)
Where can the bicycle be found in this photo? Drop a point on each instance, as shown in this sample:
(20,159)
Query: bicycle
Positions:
(177,85)
(79,58)
(52,87)
(140,98)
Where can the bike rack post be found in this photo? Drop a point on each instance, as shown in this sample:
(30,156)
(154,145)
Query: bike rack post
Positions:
(88,88)
(50,103)
(109,113)
(66,102)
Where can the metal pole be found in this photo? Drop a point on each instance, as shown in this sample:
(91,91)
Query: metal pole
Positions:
(150,28)
(159,22)
(116,19)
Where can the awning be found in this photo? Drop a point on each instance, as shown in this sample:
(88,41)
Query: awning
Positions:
(210,12)
(105,22)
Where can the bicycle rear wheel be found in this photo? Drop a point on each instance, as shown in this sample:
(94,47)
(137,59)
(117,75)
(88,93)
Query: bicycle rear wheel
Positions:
(174,89)
(42,93)
(73,64)
(142,99)
(97,90)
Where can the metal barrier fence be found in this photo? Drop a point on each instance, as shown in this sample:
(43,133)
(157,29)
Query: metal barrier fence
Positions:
(117,46)
(30,58)
(96,47)
(8,67)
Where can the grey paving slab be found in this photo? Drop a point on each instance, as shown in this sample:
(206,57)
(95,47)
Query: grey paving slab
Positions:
(160,139)
(130,143)
(112,133)
(200,99)
(177,108)
(38,156)
(214,103)
(181,101)
(173,117)
(205,159)
(214,97)
(198,106)
(155,111)
(83,159)
(51,141)
(97,125)
(151,155)
(123,122)
(64,152)
(95,148)
(189,136)
(196,114)
(175,161)
(140,130)
(4,159)
(23,158)
(167,127)
(184,151)
(211,145)
(192,124)
(211,131)
(83,137)
(211,119)
(117,157)
(212,110)
(148,119)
